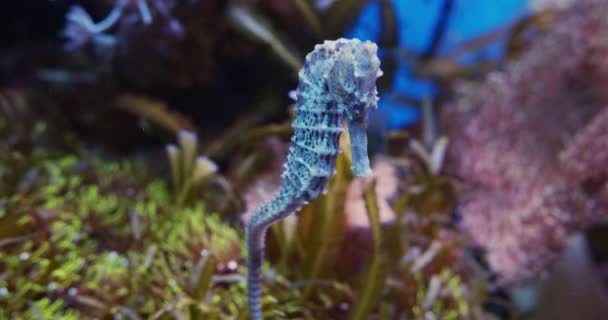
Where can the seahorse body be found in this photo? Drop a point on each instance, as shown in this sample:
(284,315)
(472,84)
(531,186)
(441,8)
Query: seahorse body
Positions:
(337,83)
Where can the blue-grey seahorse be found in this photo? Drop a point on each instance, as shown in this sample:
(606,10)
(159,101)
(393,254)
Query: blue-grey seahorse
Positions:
(337,83)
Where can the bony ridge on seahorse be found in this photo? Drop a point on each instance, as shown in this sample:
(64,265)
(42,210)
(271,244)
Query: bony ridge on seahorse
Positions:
(337,84)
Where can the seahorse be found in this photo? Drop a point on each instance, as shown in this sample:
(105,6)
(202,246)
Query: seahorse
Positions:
(337,83)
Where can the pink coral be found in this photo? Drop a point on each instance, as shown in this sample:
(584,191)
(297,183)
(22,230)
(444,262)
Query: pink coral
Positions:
(531,144)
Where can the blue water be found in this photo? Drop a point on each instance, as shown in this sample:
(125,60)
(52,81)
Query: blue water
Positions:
(416,20)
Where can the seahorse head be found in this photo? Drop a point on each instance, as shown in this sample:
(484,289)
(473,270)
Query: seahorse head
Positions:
(344,72)
(351,75)
(352,79)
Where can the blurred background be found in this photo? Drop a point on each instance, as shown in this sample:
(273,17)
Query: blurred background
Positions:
(137,135)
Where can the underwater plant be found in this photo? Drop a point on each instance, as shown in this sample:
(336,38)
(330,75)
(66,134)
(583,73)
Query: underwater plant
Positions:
(188,171)
(338,81)
(80,29)
(84,237)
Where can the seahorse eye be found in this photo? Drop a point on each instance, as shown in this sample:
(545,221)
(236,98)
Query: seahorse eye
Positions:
(357,112)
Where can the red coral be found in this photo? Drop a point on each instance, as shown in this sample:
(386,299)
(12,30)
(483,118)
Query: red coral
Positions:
(531,144)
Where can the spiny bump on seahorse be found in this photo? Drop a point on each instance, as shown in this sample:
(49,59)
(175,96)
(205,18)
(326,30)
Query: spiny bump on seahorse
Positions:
(336,84)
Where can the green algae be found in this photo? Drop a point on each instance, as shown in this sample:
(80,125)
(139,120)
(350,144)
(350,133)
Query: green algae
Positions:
(86,227)
(90,237)
(86,236)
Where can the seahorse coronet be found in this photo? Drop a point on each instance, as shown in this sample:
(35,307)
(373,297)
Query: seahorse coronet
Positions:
(337,84)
